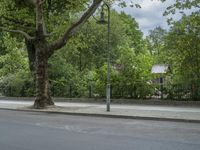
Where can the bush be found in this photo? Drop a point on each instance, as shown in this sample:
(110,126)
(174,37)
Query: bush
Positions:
(19,84)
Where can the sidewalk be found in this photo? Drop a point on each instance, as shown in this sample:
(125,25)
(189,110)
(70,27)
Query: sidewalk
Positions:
(148,112)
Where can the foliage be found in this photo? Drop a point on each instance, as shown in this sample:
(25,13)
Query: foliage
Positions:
(156,40)
(15,79)
(86,56)
(182,47)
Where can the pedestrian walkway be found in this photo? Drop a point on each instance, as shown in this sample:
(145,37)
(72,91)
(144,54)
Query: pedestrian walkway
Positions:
(169,113)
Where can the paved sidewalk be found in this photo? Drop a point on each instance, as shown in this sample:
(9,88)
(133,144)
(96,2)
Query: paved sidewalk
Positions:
(168,113)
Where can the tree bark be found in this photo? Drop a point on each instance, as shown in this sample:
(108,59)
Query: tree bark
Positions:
(30,45)
(43,98)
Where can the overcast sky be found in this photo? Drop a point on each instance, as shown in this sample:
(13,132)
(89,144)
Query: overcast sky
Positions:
(150,15)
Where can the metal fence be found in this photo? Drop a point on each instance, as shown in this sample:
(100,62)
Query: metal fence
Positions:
(172,92)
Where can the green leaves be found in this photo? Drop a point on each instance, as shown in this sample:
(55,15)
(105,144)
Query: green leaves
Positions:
(182,49)
(13,59)
(83,62)
(181,5)
(14,71)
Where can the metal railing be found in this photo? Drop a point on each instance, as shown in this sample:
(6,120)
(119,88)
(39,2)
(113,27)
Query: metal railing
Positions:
(172,92)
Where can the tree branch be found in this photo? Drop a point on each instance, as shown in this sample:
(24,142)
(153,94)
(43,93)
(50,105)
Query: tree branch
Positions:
(19,23)
(74,28)
(26,35)
(40,26)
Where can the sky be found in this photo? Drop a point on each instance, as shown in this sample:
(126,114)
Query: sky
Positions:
(150,15)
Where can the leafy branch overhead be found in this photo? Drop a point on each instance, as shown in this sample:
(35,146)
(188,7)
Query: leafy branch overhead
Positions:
(25,13)
(181,5)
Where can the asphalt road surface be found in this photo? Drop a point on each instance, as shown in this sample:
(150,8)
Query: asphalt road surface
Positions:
(43,131)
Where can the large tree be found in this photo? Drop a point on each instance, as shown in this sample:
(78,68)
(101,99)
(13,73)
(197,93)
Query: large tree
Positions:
(33,16)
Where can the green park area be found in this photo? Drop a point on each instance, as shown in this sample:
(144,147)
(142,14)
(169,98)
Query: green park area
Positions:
(57,48)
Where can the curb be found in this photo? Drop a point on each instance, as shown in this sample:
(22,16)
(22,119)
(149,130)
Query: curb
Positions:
(107,115)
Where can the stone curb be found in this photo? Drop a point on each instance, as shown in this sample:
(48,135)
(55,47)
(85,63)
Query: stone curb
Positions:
(107,115)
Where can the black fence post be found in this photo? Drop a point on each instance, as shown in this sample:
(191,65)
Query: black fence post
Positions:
(22,91)
(111,91)
(10,91)
(90,91)
(161,87)
(70,91)
(53,91)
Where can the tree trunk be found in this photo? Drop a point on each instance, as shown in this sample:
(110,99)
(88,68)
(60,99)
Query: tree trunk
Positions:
(43,97)
(31,54)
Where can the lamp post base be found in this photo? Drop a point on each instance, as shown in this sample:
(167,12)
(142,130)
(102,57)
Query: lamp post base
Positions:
(108,97)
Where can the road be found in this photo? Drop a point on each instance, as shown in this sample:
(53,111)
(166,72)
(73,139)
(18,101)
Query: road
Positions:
(43,131)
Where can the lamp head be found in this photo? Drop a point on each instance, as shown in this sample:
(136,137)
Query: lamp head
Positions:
(102,18)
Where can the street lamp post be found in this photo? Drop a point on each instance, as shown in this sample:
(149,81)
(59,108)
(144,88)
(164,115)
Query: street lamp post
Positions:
(102,21)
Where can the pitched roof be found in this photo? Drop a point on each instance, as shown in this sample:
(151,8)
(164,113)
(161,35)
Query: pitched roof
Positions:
(159,68)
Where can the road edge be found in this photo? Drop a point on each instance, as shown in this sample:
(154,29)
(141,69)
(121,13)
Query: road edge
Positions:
(106,115)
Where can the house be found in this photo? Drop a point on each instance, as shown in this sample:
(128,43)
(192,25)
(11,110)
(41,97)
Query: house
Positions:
(159,70)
